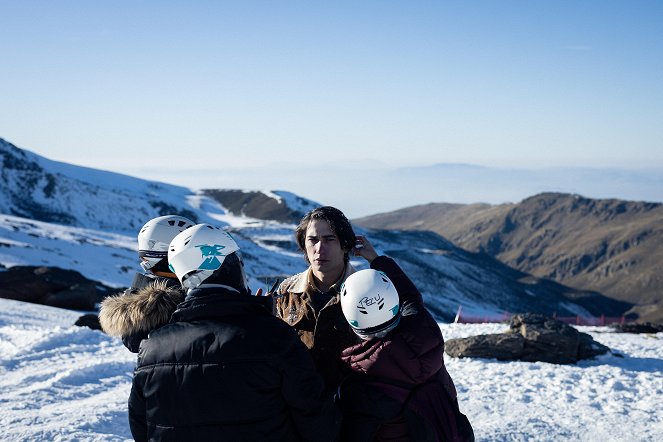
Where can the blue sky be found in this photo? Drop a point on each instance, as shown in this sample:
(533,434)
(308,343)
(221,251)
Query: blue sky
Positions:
(161,86)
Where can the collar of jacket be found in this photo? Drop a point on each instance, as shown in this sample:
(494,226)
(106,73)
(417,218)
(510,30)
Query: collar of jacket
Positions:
(302,284)
(140,311)
(213,302)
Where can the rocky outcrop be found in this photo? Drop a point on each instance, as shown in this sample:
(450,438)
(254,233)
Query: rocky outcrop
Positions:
(610,246)
(260,205)
(530,338)
(52,286)
(89,320)
(646,327)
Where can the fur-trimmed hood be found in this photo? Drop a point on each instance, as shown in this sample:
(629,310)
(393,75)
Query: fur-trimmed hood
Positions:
(136,312)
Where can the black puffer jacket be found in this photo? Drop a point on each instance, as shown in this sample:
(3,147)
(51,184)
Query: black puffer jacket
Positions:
(143,307)
(226,369)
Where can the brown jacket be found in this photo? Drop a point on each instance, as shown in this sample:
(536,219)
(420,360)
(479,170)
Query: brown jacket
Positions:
(326,333)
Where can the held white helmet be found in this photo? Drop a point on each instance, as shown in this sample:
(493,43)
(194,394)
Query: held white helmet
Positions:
(154,238)
(195,254)
(370,303)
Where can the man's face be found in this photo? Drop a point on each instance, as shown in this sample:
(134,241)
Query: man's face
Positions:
(323,249)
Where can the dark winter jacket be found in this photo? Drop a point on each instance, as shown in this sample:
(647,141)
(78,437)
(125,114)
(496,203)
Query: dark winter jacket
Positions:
(325,333)
(143,307)
(400,388)
(226,369)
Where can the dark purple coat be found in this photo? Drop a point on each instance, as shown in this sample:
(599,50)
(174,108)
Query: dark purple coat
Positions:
(400,389)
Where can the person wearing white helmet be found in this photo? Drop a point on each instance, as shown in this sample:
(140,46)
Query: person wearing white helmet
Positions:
(154,293)
(399,388)
(224,368)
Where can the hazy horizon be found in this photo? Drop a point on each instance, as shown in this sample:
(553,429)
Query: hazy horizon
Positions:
(132,85)
(383,188)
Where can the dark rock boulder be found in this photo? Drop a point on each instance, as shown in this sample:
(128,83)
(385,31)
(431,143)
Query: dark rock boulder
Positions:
(52,286)
(531,337)
(588,348)
(546,339)
(502,346)
(90,320)
(634,327)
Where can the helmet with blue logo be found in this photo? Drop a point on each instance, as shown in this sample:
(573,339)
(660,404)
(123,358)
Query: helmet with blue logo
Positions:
(206,254)
(370,303)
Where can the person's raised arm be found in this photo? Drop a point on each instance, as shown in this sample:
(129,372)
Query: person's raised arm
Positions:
(365,249)
(406,289)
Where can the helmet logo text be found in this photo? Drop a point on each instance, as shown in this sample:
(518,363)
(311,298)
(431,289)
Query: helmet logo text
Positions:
(366,302)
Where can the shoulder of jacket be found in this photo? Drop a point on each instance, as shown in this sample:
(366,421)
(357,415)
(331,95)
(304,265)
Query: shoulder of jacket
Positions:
(139,311)
(291,282)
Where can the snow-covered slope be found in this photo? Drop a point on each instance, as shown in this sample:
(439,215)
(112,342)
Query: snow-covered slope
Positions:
(447,275)
(77,218)
(61,382)
(37,188)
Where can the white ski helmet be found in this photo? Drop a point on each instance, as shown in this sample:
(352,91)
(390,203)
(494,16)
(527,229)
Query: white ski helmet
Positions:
(370,303)
(197,252)
(155,237)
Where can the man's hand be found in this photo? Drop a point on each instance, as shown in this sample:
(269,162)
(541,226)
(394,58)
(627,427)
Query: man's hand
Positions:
(365,249)
(272,291)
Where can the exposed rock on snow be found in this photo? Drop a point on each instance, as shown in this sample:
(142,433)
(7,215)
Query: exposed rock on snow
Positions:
(645,327)
(530,338)
(90,320)
(51,286)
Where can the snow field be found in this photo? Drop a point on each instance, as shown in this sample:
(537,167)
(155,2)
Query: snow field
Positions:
(610,398)
(61,382)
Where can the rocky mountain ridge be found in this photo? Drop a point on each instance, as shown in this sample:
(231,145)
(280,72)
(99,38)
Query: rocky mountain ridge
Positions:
(611,246)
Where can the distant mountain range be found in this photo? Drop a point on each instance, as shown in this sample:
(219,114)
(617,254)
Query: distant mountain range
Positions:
(611,246)
(56,214)
(367,187)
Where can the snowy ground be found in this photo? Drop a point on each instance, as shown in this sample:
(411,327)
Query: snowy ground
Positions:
(607,399)
(60,382)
